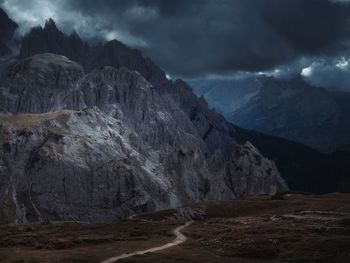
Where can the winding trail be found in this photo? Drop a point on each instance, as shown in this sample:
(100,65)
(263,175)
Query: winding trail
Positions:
(179,238)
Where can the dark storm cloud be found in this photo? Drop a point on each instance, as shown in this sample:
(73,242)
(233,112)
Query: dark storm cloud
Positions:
(308,26)
(329,73)
(200,37)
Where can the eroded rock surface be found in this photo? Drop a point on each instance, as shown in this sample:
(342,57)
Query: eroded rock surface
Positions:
(105,145)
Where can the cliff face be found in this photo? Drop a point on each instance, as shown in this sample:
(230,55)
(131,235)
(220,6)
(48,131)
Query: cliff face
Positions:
(39,84)
(106,144)
(210,125)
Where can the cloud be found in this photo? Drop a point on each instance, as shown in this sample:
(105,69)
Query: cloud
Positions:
(343,64)
(307,72)
(331,74)
(341,1)
(203,37)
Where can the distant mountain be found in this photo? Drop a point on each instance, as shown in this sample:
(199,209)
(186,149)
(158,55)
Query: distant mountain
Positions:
(287,108)
(226,95)
(295,110)
(296,103)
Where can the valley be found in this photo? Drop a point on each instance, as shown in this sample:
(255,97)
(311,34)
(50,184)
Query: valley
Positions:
(174,131)
(284,228)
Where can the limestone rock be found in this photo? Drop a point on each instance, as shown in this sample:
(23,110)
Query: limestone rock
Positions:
(104,145)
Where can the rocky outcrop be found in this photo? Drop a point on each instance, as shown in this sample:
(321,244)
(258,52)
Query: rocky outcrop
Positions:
(211,126)
(39,84)
(103,145)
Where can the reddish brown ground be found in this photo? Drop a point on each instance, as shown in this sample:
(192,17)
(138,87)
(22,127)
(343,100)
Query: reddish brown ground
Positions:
(299,229)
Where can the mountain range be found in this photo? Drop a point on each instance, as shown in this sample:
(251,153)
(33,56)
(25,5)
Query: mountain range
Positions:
(110,136)
(296,110)
(98,133)
(289,108)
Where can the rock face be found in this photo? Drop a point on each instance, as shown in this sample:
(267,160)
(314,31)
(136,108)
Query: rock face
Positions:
(305,169)
(39,84)
(106,144)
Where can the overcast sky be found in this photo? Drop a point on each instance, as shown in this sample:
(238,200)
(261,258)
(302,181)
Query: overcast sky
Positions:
(198,38)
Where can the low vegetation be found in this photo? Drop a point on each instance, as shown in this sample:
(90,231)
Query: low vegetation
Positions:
(295,228)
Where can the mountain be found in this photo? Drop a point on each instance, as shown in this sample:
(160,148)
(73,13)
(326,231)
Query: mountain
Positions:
(287,108)
(305,169)
(7,29)
(106,144)
(112,53)
(295,110)
(98,133)
(226,95)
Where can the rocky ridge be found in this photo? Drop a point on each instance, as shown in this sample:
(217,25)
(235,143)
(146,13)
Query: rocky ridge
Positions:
(109,136)
(296,110)
(50,39)
(104,145)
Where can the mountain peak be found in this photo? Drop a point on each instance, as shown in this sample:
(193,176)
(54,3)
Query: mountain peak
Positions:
(112,53)
(50,23)
(74,34)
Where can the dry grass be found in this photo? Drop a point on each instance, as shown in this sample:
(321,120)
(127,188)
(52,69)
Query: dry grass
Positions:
(76,242)
(298,229)
(29,121)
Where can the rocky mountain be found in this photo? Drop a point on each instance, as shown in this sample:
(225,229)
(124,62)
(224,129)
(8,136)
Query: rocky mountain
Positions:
(295,110)
(106,144)
(98,133)
(7,29)
(226,95)
(287,108)
(112,53)
(305,169)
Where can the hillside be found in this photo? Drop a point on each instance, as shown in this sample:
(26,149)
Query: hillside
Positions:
(296,228)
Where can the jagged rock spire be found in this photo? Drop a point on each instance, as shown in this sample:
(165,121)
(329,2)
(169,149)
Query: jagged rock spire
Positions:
(74,34)
(50,23)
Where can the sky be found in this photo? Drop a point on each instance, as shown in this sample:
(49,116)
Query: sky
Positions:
(206,38)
